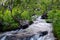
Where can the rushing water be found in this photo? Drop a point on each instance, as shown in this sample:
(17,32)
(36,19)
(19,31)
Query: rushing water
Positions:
(39,30)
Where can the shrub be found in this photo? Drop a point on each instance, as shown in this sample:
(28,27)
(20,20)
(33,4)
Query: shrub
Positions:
(8,21)
(55,16)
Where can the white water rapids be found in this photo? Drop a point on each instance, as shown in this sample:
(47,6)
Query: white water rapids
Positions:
(35,29)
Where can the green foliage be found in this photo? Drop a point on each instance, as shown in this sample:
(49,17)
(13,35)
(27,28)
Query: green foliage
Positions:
(57,24)
(8,21)
(25,15)
(55,16)
(1,14)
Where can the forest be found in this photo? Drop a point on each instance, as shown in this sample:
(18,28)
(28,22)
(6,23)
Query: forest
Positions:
(12,11)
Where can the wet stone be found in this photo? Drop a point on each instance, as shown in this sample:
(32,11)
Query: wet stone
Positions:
(44,33)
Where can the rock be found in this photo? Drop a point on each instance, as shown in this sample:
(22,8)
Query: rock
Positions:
(44,16)
(1,26)
(43,33)
(30,22)
(25,24)
(49,21)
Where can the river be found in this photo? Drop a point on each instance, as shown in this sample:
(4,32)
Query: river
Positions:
(39,30)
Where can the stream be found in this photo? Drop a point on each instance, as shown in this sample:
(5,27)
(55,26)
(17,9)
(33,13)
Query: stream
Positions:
(39,30)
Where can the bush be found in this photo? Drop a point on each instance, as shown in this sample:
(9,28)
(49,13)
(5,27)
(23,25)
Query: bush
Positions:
(8,21)
(25,15)
(55,16)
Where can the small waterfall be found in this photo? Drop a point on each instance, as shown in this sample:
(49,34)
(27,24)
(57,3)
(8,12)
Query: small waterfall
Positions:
(39,30)
(3,38)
